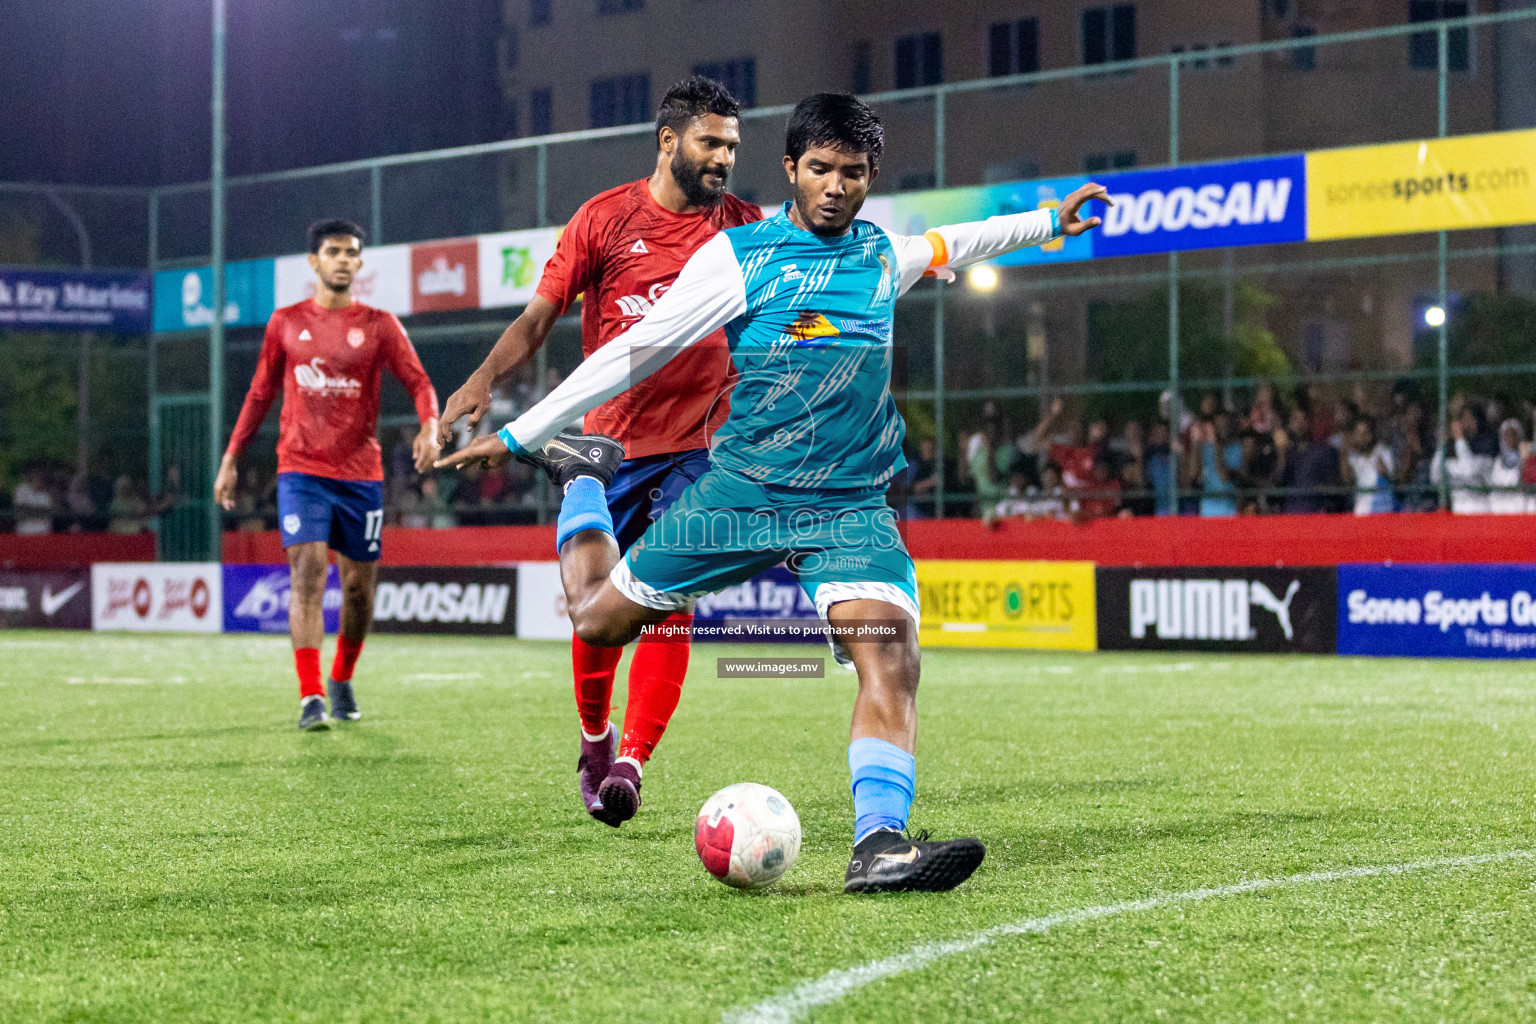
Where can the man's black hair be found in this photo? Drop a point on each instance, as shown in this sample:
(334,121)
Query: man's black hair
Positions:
(837,120)
(691,99)
(320,230)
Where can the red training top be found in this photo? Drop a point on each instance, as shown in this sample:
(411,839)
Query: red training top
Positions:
(623,250)
(328,363)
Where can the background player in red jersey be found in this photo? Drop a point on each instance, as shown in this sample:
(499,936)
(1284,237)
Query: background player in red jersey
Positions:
(623,249)
(327,356)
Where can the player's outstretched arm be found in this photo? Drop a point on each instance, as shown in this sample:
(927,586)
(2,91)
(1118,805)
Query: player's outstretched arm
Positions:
(517,344)
(955,246)
(708,293)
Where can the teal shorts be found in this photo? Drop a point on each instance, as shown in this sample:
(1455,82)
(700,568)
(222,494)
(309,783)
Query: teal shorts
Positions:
(842,545)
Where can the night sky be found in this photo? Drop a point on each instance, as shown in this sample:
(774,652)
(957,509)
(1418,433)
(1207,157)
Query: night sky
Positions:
(117,91)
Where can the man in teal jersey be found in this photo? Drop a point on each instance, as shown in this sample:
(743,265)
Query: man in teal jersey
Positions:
(800,467)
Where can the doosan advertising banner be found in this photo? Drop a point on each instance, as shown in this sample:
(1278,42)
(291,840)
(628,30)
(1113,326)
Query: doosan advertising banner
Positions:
(75,300)
(176,597)
(1446,611)
(1240,202)
(447,599)
(256,598)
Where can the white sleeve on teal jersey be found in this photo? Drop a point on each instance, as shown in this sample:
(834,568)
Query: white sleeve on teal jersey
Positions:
(708,294)
(953,246)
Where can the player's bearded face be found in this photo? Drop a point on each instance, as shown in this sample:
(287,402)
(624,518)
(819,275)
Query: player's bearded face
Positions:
(705,154)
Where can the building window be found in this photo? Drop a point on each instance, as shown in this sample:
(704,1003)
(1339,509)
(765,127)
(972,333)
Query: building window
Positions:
(541,119)
(919,60)
(622,100)
(1424,47)
(1013,47)
(1303,58)
(619,6)
(739,76)
(1118,161)
(538,12)
(1109,34)
(863,67)
(1199,61)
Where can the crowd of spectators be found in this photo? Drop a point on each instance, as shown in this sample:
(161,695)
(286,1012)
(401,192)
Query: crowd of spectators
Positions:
(49,498)
(1313,453)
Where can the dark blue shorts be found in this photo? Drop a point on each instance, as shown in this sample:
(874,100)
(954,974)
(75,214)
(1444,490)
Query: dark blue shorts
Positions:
(644,488)
(347,514)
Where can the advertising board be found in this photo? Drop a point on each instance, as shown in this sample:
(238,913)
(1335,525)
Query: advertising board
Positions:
(77,300)
(1039,605)
(256,598)
(1444,611)
(467,600)
(179,597)
(1236,608)
(541,612)
(45,599)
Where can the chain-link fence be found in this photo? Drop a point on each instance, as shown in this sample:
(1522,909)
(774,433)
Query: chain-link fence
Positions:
(1359,374)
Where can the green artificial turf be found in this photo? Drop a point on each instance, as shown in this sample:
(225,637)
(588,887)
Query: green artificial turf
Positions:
(172,849)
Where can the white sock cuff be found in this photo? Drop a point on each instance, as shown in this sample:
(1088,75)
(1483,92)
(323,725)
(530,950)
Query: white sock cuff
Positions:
(593,739)
(629,760)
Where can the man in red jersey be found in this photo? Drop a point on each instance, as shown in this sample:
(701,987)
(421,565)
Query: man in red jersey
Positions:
(622,250)
(327,355)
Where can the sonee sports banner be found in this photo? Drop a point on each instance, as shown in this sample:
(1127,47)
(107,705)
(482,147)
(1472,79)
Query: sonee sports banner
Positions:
(1217,609)
(1445,611)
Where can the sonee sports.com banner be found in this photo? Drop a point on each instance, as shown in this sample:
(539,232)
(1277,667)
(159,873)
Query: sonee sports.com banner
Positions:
(465,600)
(1446,611)
(1218,609)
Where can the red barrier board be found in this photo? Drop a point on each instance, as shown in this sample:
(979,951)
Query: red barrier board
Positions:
(74,550)
(1169,540)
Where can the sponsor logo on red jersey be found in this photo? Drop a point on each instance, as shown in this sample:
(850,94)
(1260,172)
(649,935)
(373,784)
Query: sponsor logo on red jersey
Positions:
(636,306)
(312,377)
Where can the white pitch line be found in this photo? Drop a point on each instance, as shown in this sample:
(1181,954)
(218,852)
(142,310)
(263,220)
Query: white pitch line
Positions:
(797,1002)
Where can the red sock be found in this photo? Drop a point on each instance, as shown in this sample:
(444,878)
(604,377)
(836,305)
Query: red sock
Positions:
(346,659)
(593,667)
(655,684)
(306,660)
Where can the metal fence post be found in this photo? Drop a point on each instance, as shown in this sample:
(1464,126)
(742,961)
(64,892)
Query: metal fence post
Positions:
(215,535)
(1175,402)
(541,204)
(376,204)
(1442,353)
(541,357)
(939,507)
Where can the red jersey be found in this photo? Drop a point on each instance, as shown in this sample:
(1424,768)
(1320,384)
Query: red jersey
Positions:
(623,249)
(328,364)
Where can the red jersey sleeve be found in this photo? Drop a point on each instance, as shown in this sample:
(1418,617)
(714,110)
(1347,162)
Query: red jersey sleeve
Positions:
(266,382)
(570,271)
(400,356)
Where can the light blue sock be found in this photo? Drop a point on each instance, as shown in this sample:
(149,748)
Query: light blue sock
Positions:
(584,507)
(884,779)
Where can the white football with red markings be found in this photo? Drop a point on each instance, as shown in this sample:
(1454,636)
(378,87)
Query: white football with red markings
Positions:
(747,835)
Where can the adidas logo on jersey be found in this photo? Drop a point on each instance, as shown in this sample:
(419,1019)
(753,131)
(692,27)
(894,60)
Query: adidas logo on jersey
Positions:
(639,246)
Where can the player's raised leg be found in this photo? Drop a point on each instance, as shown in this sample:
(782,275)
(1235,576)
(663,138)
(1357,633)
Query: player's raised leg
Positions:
(884,770)
(306,625)
(359,580)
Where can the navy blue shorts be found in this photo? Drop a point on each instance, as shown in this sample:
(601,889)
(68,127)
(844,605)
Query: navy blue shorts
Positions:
(644,488)
(347,514)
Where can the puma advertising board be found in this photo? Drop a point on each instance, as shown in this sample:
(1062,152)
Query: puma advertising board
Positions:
(1218,609)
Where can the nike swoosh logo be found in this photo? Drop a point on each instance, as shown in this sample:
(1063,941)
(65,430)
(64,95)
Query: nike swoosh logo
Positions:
(899,858)
(53,602)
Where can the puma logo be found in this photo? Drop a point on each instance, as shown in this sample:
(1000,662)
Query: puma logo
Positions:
(1265,598)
